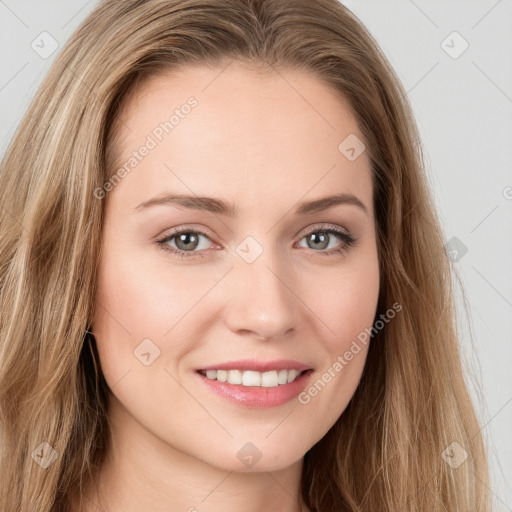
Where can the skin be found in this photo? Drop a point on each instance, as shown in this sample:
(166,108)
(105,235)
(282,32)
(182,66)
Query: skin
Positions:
(265,141)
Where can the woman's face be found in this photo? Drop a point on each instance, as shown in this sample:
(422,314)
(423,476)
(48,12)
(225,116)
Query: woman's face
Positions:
(251,283)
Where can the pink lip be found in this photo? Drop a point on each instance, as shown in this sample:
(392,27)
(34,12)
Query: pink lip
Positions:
(256,396)
(259,366)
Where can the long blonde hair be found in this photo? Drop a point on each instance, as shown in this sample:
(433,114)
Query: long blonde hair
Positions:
(385,452)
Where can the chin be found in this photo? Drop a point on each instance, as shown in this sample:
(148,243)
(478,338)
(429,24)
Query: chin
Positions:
(258,457)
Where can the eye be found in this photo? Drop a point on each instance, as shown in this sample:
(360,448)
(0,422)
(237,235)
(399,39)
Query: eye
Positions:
(320,238)
(186,242)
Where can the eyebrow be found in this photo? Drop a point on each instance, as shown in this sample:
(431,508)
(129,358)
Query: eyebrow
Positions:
(217,206)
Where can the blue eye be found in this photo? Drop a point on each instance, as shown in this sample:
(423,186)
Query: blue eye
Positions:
(187,237)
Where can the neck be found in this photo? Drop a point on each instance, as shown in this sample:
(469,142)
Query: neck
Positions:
(141,472)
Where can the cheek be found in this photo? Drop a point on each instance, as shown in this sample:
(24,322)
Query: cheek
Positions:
(139,294)
(138,299)
(127,312)
(347,303)
(125,297)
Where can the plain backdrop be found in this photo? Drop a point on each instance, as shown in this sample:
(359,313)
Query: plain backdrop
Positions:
(455,61)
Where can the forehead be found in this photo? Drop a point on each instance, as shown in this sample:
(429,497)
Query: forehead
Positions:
(248,131)
(239,90)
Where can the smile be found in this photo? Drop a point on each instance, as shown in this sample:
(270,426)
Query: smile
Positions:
(256,389)
(250,378)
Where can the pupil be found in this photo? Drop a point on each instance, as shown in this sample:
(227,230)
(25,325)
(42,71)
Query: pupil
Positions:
(323,239)
(184,239)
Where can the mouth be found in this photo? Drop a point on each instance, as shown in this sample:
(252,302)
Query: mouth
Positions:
(252,378)
(255,389)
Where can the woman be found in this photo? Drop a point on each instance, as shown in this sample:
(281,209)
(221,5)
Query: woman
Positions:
(172,337)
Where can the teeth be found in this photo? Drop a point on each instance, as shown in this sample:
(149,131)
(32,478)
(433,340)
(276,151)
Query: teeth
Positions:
(292,375)
(251,378)
(235,377)
(269,379)
(222,375)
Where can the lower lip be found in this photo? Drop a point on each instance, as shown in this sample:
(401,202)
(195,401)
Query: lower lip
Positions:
(257,396)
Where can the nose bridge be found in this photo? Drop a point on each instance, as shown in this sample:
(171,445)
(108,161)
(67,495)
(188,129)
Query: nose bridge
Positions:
(262,300)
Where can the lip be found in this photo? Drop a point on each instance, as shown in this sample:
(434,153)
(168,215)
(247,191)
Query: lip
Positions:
(258,365)
(257,397)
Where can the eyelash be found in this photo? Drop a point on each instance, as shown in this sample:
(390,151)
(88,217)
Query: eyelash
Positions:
(349,241)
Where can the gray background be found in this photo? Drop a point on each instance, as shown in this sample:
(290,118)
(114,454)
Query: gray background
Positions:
(463,105)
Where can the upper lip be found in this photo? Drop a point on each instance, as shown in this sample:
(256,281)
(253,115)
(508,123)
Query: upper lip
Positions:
(258,365)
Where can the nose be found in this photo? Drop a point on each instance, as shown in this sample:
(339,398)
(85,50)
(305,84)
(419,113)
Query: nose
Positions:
(260,298)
